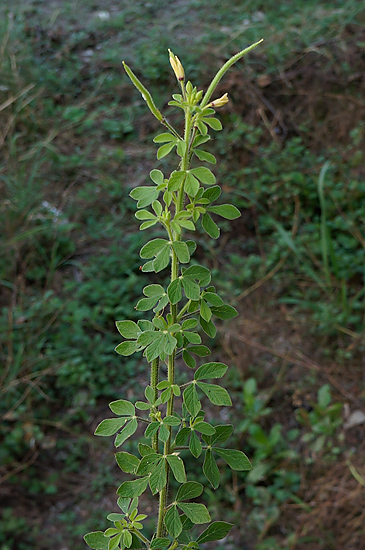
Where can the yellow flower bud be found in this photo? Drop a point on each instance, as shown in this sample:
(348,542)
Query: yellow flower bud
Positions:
(177,67)
(219,102)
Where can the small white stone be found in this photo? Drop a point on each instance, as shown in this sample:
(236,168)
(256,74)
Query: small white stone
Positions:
(103,15)
(355,419)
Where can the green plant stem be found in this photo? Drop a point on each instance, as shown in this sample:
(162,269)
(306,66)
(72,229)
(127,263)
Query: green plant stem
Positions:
(173,309)
(183,310)
(141,537)
(155,365)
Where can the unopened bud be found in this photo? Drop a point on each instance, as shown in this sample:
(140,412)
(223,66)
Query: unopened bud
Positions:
(219,102)
(177,67)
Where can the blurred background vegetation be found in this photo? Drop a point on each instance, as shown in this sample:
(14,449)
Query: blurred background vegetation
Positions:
(75,137)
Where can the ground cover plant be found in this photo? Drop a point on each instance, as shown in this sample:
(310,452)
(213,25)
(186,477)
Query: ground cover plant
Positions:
(74,143)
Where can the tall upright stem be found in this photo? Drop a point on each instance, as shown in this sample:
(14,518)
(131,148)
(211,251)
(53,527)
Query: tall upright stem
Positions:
(173,310)
(154,381)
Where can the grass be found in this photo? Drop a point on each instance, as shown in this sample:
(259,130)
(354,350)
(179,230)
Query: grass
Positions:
(73,144)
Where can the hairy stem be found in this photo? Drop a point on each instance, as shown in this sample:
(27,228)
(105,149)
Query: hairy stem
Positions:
(155,366)
(173,310)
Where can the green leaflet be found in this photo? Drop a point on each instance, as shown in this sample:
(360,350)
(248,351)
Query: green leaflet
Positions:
(204,155)
(189,490)
(224,312)
(212,194)
(164,138)
(197,513)
(182,436)
(173,522)
(191,289)
(145,304)
(222,433)
(126,348)
(198,273)
(122,408)
(132,489)
(172,421)
(162,259)
(174,291)
(210,469)
(210,227)
(191,400)
(210,370)
(188,359)
(214,123)
(158,477)
(127,431)
(204,428)
(127,463)
(128,329)
(189,324)
(144,195)
(114,542)
(208,328)
(216,394)
(143,215)
(227,211)
(212,299)
(177,466)
(199,140)
(97,540)
(164,432)
(150,249)
(195,447)
(157,177)
(191,184)
(204,175)
(164,150)
(202,351)
(236,460)
(110,426)
(182,252)
(205,311)
(216,531)
(152,291)
(176,180)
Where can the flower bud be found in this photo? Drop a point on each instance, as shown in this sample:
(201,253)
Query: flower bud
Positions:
(219,102)
(177,67)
